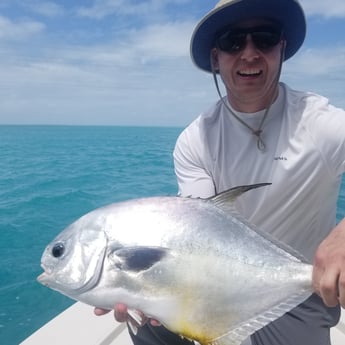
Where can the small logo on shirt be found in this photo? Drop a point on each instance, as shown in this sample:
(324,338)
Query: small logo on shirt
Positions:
(280,158)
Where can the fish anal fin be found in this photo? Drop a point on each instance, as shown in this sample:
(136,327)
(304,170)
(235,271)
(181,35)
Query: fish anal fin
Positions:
(224,341)
(237,335)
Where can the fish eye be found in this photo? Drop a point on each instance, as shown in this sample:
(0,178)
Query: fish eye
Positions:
(58,250)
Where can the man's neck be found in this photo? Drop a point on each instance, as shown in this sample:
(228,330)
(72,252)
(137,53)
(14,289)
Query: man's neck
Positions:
(253,105)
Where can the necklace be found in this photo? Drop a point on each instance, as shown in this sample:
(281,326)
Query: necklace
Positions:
(257,132)
(260,144)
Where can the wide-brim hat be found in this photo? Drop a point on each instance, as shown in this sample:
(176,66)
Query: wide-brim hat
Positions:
(288,13)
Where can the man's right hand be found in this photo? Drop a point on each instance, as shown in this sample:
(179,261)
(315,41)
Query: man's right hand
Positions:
(133,317)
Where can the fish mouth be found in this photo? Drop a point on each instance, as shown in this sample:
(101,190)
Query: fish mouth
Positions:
(42,278)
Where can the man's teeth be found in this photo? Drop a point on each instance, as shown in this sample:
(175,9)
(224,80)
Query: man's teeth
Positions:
(251,72)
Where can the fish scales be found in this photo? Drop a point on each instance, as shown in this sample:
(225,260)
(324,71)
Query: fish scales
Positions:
(195,265)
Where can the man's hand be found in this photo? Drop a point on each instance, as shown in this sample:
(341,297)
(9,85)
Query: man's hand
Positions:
(329,267)
(133,317)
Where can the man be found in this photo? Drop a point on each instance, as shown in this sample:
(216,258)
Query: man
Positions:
(263,131)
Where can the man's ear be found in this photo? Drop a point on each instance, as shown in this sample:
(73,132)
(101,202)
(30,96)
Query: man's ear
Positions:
(214,59)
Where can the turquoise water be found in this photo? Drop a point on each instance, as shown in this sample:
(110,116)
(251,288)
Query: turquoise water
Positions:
(51,175)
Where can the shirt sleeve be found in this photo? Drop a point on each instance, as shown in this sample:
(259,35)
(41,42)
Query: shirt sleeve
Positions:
(192,176)
(329,133)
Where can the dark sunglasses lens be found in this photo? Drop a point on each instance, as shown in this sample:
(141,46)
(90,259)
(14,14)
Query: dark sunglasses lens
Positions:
(235,41)
(265,39)
(232,42)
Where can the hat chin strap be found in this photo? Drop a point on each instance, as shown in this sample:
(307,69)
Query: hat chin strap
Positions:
(257,132)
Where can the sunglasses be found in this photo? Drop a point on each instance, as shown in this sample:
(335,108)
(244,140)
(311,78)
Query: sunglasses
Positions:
(263,37)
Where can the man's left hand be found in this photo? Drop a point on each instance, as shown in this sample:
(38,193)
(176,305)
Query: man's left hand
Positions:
(329,267)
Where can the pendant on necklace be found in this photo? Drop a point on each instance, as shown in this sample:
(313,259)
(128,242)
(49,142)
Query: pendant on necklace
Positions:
(259,143)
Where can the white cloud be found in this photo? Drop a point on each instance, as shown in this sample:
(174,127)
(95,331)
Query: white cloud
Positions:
(318,62)
(330,8)
(147,80)
(60,93)
(136,49)
(103,8)
(318,70)
(46,8)
(126,76)
(18,30)
(162,41)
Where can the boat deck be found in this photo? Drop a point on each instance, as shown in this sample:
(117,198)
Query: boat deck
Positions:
(87,329)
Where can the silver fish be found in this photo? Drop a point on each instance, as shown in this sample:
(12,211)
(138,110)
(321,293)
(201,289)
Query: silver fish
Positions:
(195,265)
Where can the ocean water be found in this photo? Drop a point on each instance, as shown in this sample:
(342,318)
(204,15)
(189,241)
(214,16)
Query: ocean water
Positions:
(50,176)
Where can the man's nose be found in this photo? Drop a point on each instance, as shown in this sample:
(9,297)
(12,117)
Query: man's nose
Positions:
(250,51)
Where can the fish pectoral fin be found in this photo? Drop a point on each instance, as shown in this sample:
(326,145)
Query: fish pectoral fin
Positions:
(137,259)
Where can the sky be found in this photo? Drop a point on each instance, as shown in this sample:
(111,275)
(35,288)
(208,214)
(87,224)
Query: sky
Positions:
(126,62)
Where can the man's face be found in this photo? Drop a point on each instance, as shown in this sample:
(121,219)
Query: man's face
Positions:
(248,67)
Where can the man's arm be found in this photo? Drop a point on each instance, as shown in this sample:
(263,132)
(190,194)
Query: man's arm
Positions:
(192,176)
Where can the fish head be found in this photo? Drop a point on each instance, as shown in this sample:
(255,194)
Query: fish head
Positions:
(72,262)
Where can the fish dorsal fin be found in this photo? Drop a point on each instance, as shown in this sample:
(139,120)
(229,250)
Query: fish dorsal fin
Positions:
(237,335)
(225,200)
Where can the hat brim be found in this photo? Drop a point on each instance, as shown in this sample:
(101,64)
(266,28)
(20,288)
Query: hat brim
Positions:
(287,12)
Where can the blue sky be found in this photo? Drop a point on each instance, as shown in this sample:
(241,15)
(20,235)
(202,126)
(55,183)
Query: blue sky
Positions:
(126,62)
